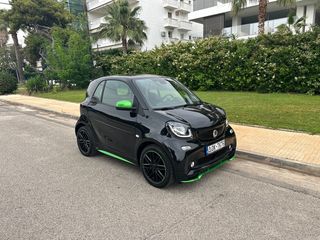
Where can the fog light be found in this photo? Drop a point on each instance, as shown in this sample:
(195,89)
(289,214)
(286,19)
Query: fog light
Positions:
(192,164)
(230,147)
(185,148)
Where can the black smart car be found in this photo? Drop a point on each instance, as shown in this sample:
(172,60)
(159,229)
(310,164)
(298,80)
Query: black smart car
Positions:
(156,123)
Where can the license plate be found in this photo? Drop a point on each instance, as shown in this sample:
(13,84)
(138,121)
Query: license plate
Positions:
(215,147)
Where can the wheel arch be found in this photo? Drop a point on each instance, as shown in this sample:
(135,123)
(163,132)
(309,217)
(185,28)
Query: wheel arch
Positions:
(83,121)
(149,142)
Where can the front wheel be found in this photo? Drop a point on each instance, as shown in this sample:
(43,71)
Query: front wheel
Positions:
(156,167)
(85,141)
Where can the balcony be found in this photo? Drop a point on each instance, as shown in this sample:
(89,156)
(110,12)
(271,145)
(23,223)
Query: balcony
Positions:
(170,4)
(93,4)
(96,23)
(171,23)
(185,7)
(96,4)
(250,30)
(103,44)
(185,26)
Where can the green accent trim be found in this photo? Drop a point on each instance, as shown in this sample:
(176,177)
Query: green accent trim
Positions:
(208,170)
(115,156)
(124,104)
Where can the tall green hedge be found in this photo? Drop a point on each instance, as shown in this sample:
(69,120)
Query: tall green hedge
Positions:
(272,63)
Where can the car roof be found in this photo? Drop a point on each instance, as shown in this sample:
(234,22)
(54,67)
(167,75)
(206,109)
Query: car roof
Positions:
(127,78)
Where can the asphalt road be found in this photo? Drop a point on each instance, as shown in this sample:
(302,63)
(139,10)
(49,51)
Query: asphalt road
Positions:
(48,190)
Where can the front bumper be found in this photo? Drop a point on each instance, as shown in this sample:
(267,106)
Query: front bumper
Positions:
(203,163)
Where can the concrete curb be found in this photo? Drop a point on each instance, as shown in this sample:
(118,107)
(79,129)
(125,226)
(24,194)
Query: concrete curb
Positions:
(41,109)
(274,161)
(306,168)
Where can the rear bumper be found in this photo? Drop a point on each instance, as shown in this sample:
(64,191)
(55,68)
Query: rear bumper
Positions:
(203,163)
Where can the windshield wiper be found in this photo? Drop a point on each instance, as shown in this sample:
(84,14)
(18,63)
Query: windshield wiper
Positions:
(179,106)
(164,108)
(191,104)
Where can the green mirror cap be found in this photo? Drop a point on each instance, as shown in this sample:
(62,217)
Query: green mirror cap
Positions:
(127,104)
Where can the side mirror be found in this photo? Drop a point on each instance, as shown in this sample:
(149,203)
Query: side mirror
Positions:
(124,105)
(94,101)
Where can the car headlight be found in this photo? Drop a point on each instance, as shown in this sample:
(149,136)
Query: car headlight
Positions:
(180,129)
(227,123)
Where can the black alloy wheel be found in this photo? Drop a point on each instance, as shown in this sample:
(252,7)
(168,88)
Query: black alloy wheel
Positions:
(85,141)
(156,167)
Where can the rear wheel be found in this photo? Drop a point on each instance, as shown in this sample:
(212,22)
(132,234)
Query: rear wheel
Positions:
(156,167)
(85,141)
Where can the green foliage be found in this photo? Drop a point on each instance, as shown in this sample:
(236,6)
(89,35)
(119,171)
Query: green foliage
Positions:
(271,63)
(69,60)
(28,14)
(8,83)
(7,59)
(36,84)
(35,44)
(34,16)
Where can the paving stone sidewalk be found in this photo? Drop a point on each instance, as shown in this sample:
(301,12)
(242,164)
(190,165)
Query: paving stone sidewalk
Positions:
(294,146)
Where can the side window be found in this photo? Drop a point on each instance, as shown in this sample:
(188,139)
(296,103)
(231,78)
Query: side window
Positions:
(98,92)
(115,91)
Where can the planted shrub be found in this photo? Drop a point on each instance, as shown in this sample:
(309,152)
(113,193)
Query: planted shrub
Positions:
(36,84)
(8,83)
(272,63)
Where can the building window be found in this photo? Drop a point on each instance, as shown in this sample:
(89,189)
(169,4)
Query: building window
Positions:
(181,36)
(169,14)
(169,34)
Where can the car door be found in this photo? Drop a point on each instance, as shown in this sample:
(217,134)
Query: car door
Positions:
(116,129)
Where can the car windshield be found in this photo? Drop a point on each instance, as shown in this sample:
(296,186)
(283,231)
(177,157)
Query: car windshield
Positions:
(162,93)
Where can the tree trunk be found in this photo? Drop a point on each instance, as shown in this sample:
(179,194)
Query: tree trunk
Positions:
(124,43)
(262,15)
(18,57)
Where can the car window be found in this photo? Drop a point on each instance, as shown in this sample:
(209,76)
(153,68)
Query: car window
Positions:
(163,93)
(115,91)
(98,92)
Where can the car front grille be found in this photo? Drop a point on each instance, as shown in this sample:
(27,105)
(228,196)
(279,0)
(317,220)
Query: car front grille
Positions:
(206,134)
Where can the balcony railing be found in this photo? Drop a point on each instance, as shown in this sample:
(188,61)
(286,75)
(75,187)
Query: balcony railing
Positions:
(185,7)
(96,23)
(252,28)
(171,23)
(92,4)
(170,4)
(185,25)
(105,44)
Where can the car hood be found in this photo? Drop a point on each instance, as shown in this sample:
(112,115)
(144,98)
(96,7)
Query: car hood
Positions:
(199,116)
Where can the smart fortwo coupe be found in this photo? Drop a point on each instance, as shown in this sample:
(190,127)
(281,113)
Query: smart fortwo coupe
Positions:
(157,124)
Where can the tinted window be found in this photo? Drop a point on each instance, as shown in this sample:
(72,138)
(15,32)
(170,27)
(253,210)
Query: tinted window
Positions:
(115,91)
(98,93)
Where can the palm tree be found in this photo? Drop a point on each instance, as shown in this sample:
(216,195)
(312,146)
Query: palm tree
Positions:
(122,24)
(293,25)
(237,5)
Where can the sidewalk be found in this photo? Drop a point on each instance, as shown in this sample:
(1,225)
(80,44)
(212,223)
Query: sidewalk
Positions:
(300,148)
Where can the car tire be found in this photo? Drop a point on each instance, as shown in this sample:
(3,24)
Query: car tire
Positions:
(156,167)
(85,141)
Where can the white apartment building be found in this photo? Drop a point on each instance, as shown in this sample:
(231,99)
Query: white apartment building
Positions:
(167,21)
(217,18)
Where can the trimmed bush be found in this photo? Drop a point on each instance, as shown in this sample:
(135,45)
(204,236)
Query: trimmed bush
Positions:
(36,84)
(280,62)
(8,83)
